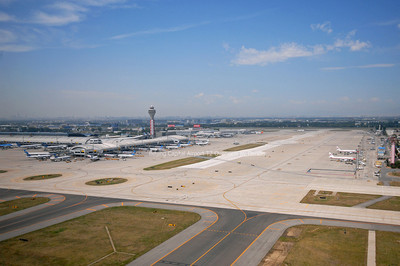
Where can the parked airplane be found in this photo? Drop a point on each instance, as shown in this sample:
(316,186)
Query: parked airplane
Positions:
(38,155)
(30,146)
(124,156)
(6,146)
(202,142)
(186,144)
(169,147)
(93,158)
(342,158)
(54,147)
(60,158)
(110,155)
(156,149)
(345,151)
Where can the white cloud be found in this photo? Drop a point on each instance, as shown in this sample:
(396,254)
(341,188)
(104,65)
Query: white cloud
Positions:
(56,19)
(254,91)
(101,2)
(325,27)
(345,99)
(363,66)
(208,98)
(388,22)
(6,17)
(354,45)
(297,102)
(15,48)
(374,99)
(64,13)
(227,47)
(7,36)
(70,7)
(251,56)
(158,31)
(234,100)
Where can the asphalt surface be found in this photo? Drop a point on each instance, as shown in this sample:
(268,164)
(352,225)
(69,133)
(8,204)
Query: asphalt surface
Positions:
(223,242)
(71,204)
(229,236)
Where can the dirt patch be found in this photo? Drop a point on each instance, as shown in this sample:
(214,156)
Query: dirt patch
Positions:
(278,254)
(293,232)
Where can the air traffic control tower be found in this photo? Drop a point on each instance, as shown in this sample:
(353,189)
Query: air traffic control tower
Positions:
(152,113)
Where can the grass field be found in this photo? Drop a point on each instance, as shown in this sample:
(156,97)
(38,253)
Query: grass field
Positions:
(319,245)
(106,181)
(387,248)
(41,177)
(84,240)
(181,162)
(394,174)
(11,206)
(392,204)
(246,146)
(340,199)
(3,171)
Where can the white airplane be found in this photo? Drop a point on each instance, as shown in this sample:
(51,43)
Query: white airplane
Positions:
(345,151)
(169,147)
(54,147)
(156,149)
(202,142)
(93,158)
(176,141)
(186,144)
(110,155)
(342,158)
(61,158)
(38,155)
(30,146)
(124,155)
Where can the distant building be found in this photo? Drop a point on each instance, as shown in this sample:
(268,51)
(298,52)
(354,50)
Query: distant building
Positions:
(152,113)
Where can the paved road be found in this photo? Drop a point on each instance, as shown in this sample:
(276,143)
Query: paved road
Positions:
(222,237)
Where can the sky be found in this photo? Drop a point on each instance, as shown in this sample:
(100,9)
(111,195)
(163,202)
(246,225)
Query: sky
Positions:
(225,58)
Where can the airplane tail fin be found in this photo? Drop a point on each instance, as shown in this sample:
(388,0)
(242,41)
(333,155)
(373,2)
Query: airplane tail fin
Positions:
(27,153)
(18,144)
(337,148)
(134,152)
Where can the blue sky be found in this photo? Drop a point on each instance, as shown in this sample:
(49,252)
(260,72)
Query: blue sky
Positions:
(93,58)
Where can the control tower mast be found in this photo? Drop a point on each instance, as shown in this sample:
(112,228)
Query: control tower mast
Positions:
(152,113)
